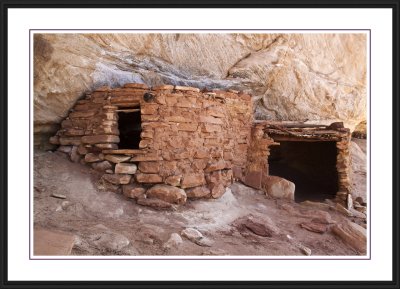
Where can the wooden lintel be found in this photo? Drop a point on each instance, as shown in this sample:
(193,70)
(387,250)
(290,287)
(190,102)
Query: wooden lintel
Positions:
(128,110)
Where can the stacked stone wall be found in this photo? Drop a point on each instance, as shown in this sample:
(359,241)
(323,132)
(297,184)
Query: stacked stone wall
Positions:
(190,139)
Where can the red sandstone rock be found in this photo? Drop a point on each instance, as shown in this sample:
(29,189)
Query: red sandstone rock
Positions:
(187,126)
(259,224)
(177,118)
(82,150)
(149,109)
(93,139)
(192,180)
(253,179)
(217,190)
(201,154)
(198,192)
(125,168)
(352,234)
(144,143)
(167,193)
(91,158)
(149,167)
(154,203)
(133,191)
(117,158)
(117,179)
(314,227)
(211,127)
(147,134)
(199,164)
(169,166)
(215,166)
(148,178)
(101,166)
(70,141)
(173,180)
(210,119)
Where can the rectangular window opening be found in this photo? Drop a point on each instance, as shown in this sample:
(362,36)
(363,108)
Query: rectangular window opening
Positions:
(130,127)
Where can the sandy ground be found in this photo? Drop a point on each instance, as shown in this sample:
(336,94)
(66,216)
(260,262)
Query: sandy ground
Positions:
(106,223)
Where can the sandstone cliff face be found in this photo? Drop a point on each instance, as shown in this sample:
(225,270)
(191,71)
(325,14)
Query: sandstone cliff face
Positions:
(316,77)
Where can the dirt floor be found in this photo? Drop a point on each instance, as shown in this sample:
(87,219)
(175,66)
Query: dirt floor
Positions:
(243,222)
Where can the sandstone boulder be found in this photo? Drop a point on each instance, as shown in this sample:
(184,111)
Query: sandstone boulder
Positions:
(167,193)
(258,224)
(133,191)
(173,242)
(280,188)
(352,234)
(196,237)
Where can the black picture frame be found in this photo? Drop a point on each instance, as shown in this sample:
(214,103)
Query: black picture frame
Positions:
(6,5)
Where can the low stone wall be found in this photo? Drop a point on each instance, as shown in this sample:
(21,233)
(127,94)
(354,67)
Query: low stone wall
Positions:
(191,139)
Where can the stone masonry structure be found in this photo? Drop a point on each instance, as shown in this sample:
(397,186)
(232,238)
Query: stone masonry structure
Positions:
(267,134)
(165,144)
(189,139)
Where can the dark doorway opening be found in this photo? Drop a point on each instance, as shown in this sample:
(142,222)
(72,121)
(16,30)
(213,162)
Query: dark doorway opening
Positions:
(130,127)
(311,166)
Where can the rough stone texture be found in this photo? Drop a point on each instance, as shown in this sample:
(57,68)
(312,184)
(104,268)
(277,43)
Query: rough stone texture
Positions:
(198,192)
(174,241)
(260,225)
(188,136)
(352,234)
(133,191)
(167,193)
(90,158)
(102,166)
(320,77)
(314,227)
(123,168)
(154,203)
(196,237)
(277,187)
(117,179)
(117,158)
(52,243)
